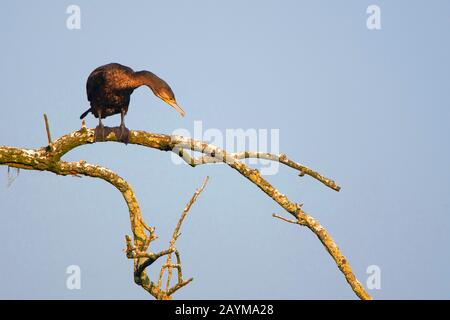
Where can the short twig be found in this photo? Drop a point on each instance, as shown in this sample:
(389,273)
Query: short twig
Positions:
(286,219)
(47,128)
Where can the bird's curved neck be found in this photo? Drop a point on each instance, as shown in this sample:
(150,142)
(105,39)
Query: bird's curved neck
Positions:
(147,78)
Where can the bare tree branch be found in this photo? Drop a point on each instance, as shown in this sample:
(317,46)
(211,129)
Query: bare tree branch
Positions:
(176,233)
(282,158)
(46,159)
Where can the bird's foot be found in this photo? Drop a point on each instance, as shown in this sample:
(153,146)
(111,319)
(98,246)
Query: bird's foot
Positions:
(124,135)
(99,133)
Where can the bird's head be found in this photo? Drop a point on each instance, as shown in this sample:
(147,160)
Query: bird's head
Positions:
(159,87)
(165,93)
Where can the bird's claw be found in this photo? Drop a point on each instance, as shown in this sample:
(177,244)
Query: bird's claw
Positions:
(124,134)
(99,133)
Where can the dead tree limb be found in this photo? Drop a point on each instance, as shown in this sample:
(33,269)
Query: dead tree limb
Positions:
(49,159)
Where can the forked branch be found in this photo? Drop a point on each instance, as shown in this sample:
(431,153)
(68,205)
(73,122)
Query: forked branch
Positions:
(49,159)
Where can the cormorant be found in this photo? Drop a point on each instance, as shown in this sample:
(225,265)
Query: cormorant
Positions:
(109,88)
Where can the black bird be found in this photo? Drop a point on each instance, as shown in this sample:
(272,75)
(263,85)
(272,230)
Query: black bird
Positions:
(109,88)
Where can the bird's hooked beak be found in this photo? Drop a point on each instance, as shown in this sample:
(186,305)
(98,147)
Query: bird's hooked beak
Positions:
(175,106)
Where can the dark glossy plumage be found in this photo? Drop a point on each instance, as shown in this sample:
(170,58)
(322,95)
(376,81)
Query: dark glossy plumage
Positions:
(109,88)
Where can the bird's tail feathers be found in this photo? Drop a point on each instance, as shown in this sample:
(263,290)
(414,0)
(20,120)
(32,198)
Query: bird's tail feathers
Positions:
(85,113)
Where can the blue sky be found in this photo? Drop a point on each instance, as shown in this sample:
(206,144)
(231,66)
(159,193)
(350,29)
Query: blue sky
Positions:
(369,109)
